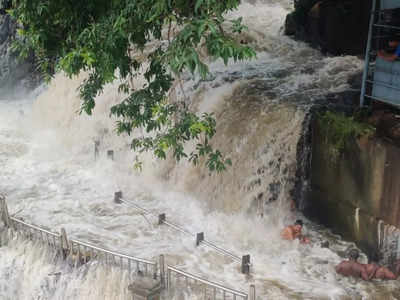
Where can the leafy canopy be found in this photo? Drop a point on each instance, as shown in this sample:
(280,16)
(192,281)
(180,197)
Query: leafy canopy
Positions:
(109,37)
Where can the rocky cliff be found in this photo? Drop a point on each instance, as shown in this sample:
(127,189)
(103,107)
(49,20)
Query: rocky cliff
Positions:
(355,186)
(336,26)
(16,76)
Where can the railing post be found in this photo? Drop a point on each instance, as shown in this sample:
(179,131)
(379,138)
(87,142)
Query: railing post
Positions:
(96,149)
(162,271)
(246,264)
(168,279)
(161,219)
(110,154)
(4,212)
(64,243)
(118,197)
(199,238)
(367,53)
(252,292)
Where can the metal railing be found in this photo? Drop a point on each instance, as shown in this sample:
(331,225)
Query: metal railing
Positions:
(85,251)
(182,230)
(81,252)
(33,233)
(210,290)
(380,28)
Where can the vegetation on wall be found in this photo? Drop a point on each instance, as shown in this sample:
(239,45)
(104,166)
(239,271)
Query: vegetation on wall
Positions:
(104,37)
(340,129)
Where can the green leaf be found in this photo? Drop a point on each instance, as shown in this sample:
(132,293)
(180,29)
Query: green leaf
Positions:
(109,37)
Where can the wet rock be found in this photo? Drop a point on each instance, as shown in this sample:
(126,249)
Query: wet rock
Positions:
(337,27)
(325,244)
(357,193)
(290,25)
(146,288)
(14,73)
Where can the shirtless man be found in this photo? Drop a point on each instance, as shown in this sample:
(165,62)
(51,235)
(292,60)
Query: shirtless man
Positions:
(351,267)
(379,272)
(294,232)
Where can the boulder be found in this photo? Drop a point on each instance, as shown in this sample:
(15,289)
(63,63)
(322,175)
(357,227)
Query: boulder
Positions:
(336,26)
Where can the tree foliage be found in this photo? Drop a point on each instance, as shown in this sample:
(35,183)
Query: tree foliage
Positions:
(103,37)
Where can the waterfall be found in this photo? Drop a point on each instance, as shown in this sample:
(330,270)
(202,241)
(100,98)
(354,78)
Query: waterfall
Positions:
(262,109)
(357,220)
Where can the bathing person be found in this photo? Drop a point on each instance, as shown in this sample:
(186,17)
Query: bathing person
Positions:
(390,56)
(351,267)
(375,271)
(292,232)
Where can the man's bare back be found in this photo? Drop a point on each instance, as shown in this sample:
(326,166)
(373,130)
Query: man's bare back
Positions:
(379,272)
(352,269)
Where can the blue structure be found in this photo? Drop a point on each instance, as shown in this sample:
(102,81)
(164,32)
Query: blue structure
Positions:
(381,79)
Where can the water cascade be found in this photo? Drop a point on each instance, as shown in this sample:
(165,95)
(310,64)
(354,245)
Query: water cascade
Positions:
(51,178)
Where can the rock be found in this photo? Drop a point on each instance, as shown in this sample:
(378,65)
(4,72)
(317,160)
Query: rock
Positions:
(16,76)
(290,25)
(325,244)
(356,193)
(335,26)
(146,288)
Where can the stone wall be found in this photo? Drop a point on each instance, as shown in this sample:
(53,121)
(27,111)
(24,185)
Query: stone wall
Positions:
(356,191)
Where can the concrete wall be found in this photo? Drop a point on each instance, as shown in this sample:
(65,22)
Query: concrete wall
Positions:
(356,192)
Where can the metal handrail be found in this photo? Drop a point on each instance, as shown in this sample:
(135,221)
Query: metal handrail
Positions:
(183,230)
(90,246)
(380,83)
(381,100)
(34,227)
(387,26)
(207,282)
(136,259)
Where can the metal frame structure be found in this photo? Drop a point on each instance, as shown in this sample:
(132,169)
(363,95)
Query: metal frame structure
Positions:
(380,80)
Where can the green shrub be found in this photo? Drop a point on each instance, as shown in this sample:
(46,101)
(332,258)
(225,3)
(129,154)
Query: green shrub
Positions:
(339,129)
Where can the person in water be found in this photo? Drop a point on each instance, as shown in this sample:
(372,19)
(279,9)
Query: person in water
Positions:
(375,271)
(390,55)
(352,267)
(368,271)
(293,232)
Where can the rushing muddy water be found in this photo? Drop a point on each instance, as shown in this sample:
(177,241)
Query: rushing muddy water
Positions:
(50,177)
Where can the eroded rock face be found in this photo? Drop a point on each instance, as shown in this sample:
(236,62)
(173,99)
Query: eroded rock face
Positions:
(357,192)
(16,76)
(336,26)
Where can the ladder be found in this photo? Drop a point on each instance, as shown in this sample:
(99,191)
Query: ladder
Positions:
(381,79)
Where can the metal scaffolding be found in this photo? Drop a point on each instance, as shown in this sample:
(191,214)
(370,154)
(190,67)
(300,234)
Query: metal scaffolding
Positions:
(381,79)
